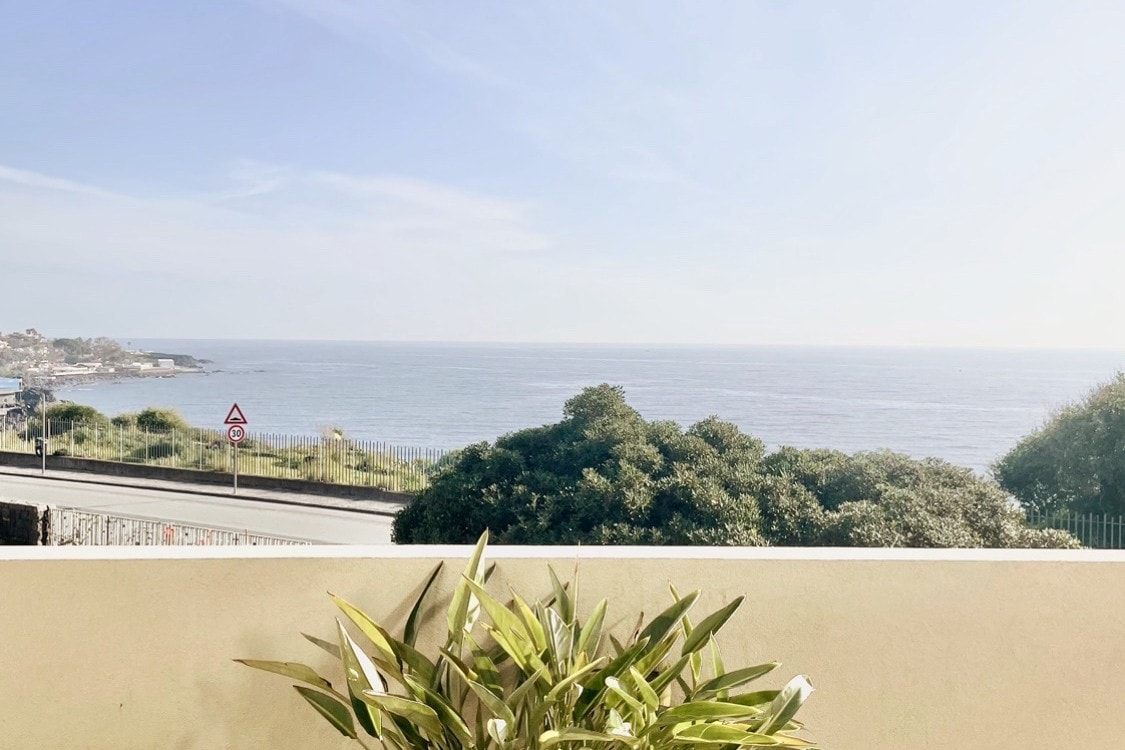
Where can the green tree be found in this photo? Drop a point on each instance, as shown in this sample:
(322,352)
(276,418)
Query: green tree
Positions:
(605,475)
(1076,461)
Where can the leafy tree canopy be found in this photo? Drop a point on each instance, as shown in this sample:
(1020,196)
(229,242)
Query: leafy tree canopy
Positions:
(160,420)
(605,475)
(69,412)
(1076,461)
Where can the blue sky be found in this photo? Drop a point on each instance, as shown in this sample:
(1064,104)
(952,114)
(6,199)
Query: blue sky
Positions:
(745,172)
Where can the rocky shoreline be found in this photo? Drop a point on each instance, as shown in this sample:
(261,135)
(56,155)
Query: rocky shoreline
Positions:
(69,381)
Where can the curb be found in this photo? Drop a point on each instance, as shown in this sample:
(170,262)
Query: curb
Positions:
(183,491)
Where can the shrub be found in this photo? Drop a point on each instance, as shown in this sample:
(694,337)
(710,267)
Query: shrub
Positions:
(161,420)
(64,415)
(538,677)
(605,475)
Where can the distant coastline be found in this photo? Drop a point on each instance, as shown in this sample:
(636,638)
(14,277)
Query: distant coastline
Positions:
(44,365)
(966,406)
(67,380)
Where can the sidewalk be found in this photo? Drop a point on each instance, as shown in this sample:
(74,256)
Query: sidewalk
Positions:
(377,507)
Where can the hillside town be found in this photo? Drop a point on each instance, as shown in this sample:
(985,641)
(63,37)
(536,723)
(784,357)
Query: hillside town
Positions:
(31,365)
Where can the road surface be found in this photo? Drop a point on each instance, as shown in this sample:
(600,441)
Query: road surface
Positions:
(318,525)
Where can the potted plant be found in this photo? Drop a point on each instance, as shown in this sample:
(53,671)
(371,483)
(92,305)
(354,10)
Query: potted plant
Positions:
(534,676)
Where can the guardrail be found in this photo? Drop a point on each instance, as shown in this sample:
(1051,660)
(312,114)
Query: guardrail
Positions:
(74,526)
(37,524)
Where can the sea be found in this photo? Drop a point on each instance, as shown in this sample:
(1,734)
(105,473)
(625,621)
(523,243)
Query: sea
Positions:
(968,406)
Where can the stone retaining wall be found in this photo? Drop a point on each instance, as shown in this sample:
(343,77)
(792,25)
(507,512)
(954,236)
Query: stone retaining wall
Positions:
(24,523)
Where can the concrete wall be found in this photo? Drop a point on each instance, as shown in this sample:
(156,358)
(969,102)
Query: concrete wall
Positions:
(907,649)
(213,478)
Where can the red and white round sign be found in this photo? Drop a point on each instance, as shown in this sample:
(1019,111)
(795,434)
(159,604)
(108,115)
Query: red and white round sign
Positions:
(236,433)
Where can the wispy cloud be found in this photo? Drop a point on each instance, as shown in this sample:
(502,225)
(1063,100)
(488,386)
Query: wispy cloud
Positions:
(24,178)
(396,29)
(250,178)
(401,211)
(366,242)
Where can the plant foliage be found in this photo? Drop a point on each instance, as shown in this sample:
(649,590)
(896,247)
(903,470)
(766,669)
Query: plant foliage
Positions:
(605,475)
(1076,461)
(534,676)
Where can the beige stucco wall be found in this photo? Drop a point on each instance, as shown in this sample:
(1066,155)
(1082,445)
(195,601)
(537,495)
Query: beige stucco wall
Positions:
(907,649)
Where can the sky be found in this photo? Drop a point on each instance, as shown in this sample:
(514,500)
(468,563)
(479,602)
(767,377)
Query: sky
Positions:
(753,172)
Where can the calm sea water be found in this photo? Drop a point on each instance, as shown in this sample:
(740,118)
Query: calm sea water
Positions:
(967,406)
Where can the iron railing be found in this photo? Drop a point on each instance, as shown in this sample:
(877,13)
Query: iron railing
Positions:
(334,459)
(1094,530)
(74,526)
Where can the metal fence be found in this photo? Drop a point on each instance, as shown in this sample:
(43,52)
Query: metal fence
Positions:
(71,526)
(333,459)
(1097,531)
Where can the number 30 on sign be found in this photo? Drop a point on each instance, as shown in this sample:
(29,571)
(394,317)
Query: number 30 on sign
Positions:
(236,433)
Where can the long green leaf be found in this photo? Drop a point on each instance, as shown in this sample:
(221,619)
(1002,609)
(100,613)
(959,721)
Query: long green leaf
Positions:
(410,632)
(717,667)
(419,714)
(614,686)
(517,696)
(328,646)
(562,597)
(574,734)
(503,619)
(593,692)
(663,623)
(560,638)
(720,734)
(710,624)
(644,689)
(386,654)
(362,677)
(734,679)
(665,678)
(653,657)
(704,711)
(449,717)
(418,662)
(331,709)
(591,633)
(492,701)
(757,698)
(530,621)
(487,671)
(785,705)
(567,682)
(696,660)
(292,670)
(458,615)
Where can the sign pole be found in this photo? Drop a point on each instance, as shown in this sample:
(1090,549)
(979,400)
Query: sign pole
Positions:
(236,433)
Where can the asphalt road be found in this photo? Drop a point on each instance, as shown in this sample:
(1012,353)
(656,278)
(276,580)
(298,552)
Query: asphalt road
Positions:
(314,524)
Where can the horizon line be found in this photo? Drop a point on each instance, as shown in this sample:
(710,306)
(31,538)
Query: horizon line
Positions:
(634,344)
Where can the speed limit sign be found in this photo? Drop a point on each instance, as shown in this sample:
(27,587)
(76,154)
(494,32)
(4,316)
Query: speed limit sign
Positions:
(236,433)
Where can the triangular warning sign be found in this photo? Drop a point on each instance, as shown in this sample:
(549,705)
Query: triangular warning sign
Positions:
(235,416)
